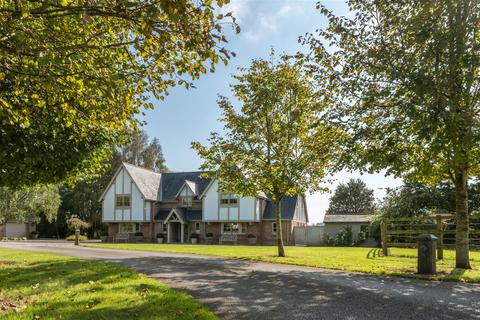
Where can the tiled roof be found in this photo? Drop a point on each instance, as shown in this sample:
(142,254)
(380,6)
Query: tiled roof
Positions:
(336,218)
(147,181)
(288,205)
(173,181)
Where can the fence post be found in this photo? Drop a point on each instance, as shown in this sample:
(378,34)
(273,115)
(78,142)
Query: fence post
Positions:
(440,237)
(383,231)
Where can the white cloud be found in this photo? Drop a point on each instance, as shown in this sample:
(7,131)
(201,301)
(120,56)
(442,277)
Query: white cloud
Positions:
(239,9)
(270,22)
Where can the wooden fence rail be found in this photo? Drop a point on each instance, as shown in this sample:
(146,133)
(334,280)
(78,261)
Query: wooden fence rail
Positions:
(402,232)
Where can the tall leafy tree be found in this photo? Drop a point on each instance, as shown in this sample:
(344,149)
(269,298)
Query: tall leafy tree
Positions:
(28,204)
(352,197)
(406,78)
(276,143)
(75,73)
(413,198)
(143,152)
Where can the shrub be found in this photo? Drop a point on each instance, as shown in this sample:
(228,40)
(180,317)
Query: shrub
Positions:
(72,238)
(160,236)
(342,238)
(194,236)
(209,235)
(361,236)
(250,235)
(139,234)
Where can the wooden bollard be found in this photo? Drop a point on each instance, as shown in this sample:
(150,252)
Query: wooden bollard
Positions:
(77,237)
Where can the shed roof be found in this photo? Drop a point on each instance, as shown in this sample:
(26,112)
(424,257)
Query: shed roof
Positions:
(338,218)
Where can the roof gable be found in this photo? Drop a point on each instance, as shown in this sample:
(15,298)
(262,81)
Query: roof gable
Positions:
(147,181)
(172,182)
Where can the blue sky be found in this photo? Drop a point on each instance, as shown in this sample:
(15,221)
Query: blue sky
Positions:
(188,115)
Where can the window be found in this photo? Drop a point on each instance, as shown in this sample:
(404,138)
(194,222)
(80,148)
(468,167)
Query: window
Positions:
(228,199)
(122,201)
(164,228)
(186,201)
(274,227)
(197,227)
(128,227)
(233,228)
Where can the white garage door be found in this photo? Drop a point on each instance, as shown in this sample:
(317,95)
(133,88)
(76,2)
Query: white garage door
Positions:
(16,230)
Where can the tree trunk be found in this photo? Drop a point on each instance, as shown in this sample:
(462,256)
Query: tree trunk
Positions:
(461,206)
(278,220)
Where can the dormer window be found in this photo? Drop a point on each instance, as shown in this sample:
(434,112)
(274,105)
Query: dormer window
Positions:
(228,199)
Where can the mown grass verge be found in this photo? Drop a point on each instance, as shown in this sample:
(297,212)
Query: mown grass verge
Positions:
(47,286)
(401,262)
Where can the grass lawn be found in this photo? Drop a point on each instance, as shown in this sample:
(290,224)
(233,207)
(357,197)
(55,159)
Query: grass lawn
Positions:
(47,286)
(402,262)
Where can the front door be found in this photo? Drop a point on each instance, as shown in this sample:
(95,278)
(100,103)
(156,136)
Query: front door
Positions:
(176,231)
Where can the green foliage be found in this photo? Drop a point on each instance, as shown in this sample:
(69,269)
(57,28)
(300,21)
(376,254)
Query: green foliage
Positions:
(343,238)
(352,197)
(361,237)
(405,74)
(139,234)
(13,238)
(414,198)
(75,222)
(72,238)
(27,204)
(143,153)
(75,74)
(277,143)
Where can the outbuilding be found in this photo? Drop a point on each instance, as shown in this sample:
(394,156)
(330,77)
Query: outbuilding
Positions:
(334,223)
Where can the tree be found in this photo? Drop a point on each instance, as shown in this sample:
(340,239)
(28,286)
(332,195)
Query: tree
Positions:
(75,74)
(352,197)
(406,78)
(27,204)
(415,198)
(144,153)
(277,143)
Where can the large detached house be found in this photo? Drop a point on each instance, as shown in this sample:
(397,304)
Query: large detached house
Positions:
(179,204)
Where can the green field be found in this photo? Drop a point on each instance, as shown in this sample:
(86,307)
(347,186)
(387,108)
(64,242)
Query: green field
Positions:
(47,286)
(401,262)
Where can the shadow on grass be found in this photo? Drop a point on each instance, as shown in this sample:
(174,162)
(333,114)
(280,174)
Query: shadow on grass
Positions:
(373,253)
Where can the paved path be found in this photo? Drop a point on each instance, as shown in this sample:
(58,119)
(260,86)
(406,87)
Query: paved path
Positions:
(235,289)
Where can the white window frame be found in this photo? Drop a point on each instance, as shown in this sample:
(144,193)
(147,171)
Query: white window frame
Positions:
(128,227)
(274,227)
(186,201)
(242,228)
(231,199)
(123,203)
(164,228)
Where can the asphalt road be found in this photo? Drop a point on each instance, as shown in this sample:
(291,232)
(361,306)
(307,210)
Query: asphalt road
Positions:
(235,289)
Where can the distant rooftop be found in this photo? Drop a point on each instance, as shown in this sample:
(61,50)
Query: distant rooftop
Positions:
(330,218)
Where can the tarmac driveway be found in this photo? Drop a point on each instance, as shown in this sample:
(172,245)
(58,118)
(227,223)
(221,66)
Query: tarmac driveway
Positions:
(235,289)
